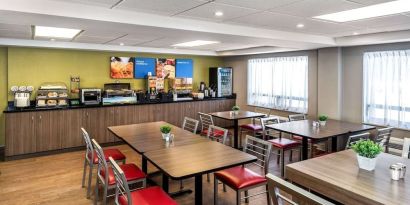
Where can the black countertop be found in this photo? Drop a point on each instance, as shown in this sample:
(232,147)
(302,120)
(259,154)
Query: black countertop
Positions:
(33,108)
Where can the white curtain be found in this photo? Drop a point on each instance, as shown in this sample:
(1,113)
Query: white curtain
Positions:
(386,78)
(279,83)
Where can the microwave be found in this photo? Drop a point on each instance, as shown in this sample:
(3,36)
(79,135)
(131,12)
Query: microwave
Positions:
(90,96)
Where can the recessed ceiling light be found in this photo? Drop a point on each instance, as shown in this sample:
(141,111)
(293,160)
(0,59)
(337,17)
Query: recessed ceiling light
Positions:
(52,39)
(355,33)
(44,31)
(300,25)
(195,43)
(121,44)
(219,13)
(384,9)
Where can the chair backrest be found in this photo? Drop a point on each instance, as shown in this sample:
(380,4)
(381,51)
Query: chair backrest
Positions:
(293,194)
(102,163)
(297,117)
(218,134)
(263,110)
(206,120)
(122,188)
(383,137)
(354,138)
(268,121)
(406,148)
(259,148)
(190,125)
(89,153)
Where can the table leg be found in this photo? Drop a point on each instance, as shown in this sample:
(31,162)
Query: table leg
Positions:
(198,190)
(165,185)
(235,134)
(334,143)
(305,148)
(144,165)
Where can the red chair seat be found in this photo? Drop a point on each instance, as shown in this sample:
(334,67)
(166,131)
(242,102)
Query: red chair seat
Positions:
(131,172)
(239,177)
(284,143)
(217,133)
(116,154)
(148,196)
(252,127)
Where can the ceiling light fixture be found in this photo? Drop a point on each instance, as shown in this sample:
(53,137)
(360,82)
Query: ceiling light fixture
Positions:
(355,33)
(300,25)
(384,9)
(194,43)
(121,44)
(52,39)
(44,31)
(219,13)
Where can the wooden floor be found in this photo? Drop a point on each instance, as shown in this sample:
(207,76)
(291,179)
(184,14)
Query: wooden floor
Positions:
(56,179)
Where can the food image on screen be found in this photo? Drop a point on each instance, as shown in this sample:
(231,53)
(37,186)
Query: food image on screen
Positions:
(165,68)
(122,67)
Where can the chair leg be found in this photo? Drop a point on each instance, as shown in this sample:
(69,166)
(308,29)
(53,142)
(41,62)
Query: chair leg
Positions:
(96,197)
(90,175)
(84,172)
(224,187)
(215,191)
(105,194)
(278,157)
(290,155)
(238,197)
(181,185)
(207,177)
(312,150)
(267,196)
(246,197)
(282,162)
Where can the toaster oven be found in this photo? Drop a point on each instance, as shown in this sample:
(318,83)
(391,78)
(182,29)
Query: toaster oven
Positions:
(90,96)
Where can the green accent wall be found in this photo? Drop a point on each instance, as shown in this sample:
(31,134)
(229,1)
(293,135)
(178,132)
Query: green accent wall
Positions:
(3,91)
(34,66)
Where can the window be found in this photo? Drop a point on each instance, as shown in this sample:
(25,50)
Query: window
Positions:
(279,83)
(386,87)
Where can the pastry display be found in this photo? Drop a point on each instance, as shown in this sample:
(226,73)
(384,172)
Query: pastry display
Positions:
(62,102)
(62,95)
(41,103)
(51,102)
(52,94)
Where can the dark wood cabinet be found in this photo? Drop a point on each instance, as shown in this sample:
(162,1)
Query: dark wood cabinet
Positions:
(31,132)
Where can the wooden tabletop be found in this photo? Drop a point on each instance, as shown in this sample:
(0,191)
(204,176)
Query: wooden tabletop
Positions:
(337,176)
(332,128)
(146,137)
(228,115)
(190,160)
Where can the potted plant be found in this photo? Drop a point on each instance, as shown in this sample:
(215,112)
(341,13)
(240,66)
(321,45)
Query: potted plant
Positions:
(235,109)
(322,120)
(165,130)
(367,152)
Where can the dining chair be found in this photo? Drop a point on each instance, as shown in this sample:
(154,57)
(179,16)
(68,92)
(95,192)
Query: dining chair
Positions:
(383,137)
(254,127)
(354,138)
(269,133)
(105,175)
(124,196)
(190,125)
(218,134)
(281,145)
(283,192)
(311,142)
(406,148)
(206,120)
(242,179)
(91,158)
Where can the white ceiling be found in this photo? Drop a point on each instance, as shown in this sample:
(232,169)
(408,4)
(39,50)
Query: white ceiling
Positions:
(251,24)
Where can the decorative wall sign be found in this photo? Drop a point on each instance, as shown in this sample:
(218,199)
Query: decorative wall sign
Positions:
(143,66)
(122,67)
(184,68)
(165,68)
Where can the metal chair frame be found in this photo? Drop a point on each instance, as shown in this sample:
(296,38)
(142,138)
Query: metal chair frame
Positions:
(299,196)
(262,150)
(214,137)
(297,117)
(206,120)
(268,132)
(102,165)
(383,137)
(121,183)
(355,138)
(263,110)
(190,125)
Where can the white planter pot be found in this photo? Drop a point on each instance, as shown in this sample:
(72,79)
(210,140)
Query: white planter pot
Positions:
(322,123)
(365,163)
(236,112)
(165,136)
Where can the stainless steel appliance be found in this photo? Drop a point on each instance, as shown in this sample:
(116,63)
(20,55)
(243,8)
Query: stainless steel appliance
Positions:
(220,80)
(118,93)
(90,96)
(22,96)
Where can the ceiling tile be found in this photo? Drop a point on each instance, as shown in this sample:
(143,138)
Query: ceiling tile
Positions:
(15,34)
(310,8)
(381,21)
(370,2)
(101,3)
(207,12)
(162,7)
(103,33)
(14,27)
(91,39)
(257,4)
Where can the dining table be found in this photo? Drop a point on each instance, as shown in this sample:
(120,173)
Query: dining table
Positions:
(338,177)
(235,117)
(195,160)
(333,129)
